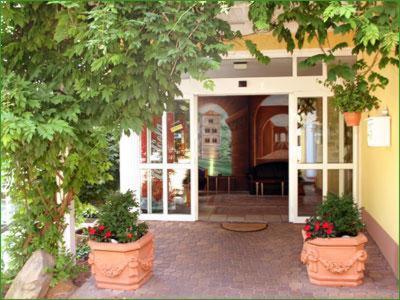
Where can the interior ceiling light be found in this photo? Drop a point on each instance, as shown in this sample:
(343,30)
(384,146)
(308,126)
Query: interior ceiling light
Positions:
(240,65)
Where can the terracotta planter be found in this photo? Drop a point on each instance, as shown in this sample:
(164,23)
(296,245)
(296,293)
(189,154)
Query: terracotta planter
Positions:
(335,261)
(352,118)
(122,266)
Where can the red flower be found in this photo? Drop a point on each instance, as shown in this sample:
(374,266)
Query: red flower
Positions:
(308,235)
(325,225)
(129,235)
(92,231)
(307,227)
(316,226)
(108,234)
(329,231)
(102,227)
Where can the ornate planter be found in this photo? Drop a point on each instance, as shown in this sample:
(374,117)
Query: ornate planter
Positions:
(335,261)
(122,266)
(352,118)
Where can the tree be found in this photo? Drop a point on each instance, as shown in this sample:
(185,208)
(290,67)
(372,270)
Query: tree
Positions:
(75,72)
(374,25)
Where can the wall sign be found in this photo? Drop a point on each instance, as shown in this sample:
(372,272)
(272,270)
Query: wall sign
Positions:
(379,131)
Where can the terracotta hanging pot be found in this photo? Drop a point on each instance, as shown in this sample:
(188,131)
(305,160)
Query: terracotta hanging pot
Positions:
(335,261)
(352,118)
(122,266)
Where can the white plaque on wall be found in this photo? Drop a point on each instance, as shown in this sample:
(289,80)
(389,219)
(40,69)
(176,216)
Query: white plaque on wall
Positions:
(379,131)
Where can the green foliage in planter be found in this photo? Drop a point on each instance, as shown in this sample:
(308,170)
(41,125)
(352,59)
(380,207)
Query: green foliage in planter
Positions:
(343,213)
(355,95)
(118,219)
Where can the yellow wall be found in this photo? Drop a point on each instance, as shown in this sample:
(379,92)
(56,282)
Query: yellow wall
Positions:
(266,41)
(379,177)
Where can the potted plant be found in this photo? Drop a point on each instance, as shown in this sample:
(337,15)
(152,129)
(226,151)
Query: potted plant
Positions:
(333,248)
(122,250)
(353,94)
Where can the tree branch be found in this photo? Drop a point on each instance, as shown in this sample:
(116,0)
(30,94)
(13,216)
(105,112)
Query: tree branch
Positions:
(180,17)
(372,64)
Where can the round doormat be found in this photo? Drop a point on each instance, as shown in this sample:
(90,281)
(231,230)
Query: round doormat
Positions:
(244,227)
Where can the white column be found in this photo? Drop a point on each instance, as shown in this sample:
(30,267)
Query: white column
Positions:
(194,171)
(356,152)
(165,164)
(324,145)
(129,162)
(69,233)
(292,158)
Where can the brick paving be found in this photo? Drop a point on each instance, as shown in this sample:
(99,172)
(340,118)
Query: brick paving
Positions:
(243,207)
(202,260)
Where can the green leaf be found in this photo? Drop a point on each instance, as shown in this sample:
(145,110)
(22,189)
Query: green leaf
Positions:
(257,53)
(340,46)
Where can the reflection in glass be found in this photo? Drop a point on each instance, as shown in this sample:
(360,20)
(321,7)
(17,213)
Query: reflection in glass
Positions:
(179,191)
(309,130)
(309,191)
(154,185)
(152,140)
(178,132)
(340,137)
(340,182)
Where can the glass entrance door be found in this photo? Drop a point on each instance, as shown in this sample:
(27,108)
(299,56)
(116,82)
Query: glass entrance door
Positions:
(166,166)
(322,154)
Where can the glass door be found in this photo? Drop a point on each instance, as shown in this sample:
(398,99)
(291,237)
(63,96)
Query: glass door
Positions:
(166,166)
(322,154)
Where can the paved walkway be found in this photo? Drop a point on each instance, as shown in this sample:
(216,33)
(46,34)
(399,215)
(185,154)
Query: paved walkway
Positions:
(199,259)
(242,207)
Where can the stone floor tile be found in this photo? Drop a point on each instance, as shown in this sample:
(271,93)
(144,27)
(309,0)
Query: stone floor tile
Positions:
(202,260)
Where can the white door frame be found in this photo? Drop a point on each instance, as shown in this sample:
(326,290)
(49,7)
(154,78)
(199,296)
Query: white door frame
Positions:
(191,89)
(324,166)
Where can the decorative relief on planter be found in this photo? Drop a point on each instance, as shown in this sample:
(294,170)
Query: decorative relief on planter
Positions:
(335,261)
(122,266)
(146,264)
(111,270)
(311,258)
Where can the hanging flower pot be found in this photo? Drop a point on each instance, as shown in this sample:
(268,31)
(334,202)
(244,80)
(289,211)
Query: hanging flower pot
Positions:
(352,96)
(352,118)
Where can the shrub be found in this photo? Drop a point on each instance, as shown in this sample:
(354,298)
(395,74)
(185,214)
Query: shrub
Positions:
(343,213)
(82,251)
(118,220)
(65,268)
(353,95)
(335,217)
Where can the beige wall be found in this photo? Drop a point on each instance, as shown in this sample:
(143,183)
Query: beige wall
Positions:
(379,166)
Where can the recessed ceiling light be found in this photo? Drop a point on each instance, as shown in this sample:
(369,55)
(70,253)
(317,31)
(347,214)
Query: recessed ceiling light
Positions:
(240,65)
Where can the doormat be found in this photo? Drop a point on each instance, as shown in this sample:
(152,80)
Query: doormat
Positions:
(244,227)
